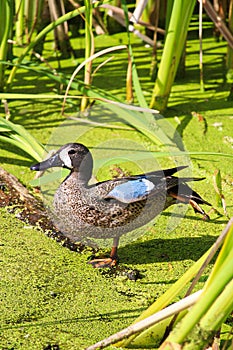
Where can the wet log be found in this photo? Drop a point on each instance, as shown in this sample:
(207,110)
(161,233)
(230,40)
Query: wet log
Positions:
(17,200)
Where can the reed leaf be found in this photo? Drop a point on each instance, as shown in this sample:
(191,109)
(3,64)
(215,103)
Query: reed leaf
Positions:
(220,199)
(18,136)
(225,253)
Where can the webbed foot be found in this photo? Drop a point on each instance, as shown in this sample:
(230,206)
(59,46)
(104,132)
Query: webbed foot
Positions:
(110,262)
(104,262)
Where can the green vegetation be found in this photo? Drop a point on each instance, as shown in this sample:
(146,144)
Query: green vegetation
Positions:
(50,297)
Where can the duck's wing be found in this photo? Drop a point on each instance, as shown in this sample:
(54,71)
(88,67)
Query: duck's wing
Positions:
(134,190)
(156,175)
(138,188)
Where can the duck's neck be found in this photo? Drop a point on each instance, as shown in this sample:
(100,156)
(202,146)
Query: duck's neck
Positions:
(83,172)
(80,177)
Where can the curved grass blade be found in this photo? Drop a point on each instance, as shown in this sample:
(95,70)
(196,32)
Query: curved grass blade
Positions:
(18,136)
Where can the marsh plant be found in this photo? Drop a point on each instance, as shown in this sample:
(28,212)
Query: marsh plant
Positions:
(20,26)
(29,20)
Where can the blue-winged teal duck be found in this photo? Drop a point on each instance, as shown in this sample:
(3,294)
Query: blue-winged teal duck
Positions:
(114,207)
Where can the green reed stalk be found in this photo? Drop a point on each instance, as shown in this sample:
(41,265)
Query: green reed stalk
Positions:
(6,15)
(20,23)
(229,61)
(30,16)
(202,86)
(173,48)
(215,316)
(89,48)
(169,8)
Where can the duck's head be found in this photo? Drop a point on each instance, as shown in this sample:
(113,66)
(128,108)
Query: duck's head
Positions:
(73,156)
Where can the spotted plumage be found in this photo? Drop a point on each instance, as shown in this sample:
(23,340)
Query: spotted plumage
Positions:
(114,207)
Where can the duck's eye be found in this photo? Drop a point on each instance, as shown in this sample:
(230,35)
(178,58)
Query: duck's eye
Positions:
(72,151)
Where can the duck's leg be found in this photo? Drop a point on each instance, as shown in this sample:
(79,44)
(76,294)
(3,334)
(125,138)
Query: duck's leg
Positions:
(192,202)
(107,262)
(198,209)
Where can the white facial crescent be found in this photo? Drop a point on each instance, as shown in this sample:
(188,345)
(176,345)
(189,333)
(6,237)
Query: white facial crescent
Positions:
(65,158)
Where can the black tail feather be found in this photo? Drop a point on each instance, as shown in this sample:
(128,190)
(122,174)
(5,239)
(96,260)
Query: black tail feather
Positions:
(187,193)
(166,172)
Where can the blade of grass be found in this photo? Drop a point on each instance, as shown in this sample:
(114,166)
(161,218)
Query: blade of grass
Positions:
(17,135)
(19,24)
(202,86)
(20,145)
(84,63)
(16,96)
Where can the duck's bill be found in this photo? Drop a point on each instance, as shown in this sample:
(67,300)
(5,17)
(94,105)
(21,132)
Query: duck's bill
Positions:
(54,161)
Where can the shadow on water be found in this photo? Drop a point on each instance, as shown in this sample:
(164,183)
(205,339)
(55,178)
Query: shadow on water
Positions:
(126,314)
(166,250)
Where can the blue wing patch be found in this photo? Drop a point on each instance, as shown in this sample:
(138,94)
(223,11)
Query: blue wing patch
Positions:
(131,191)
